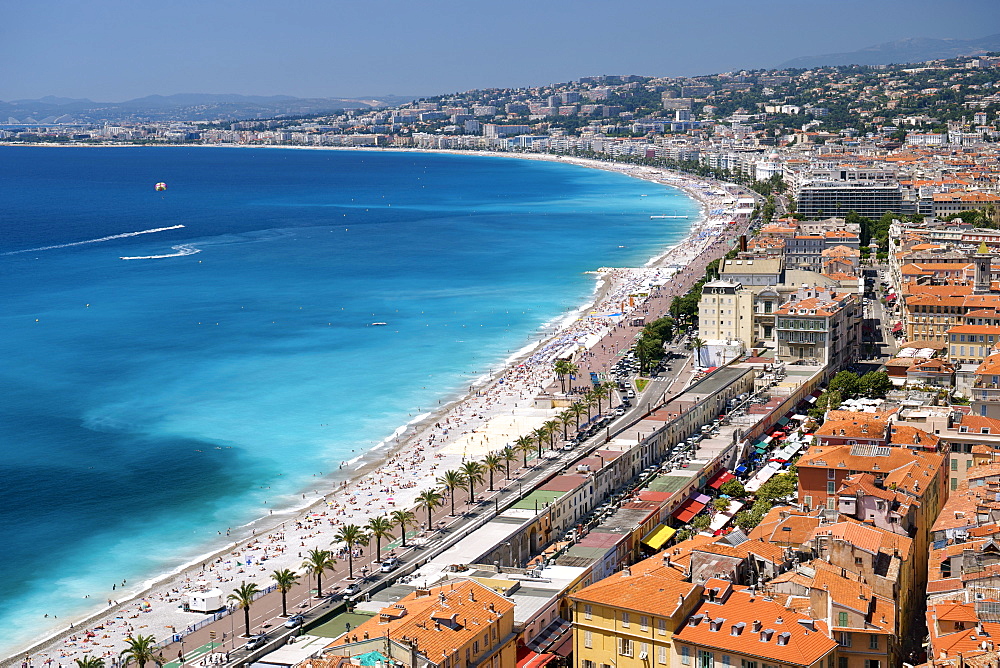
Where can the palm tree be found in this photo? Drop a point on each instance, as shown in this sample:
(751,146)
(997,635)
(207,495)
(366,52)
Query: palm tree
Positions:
(541,435)
(141,649)
(552,426)
(285,579)
(351,535)
(403,519)
(565,368)
(379,528)
(697,344)
(452,480)
(524,444)
(577,409)
(508,455)
(90,662)
(588,401)
(473,472)
(429,499)
(566,418)
(492,463)
(243,597)
(317,562)
(600,393)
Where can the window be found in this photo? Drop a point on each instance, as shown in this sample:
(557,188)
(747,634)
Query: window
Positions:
(830,474)
(954,464)
(588,639)
(726,661)
(588,612)
(685,656)
(661,627)
(954,484)
(643,623)
(475,648)
(706,659)
(747,664)
(625,646)
(872,641)
(845,639)
(625,620)
(831,487)
(807,501)
(872,663)
(841,662)
(587,663)
(661,654)
(643,650)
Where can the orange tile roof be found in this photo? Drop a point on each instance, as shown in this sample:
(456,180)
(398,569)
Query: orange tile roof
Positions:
(471,605)
(802,648)
(649,589)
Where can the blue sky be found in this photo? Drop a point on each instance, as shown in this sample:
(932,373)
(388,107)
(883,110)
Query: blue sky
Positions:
(113,50)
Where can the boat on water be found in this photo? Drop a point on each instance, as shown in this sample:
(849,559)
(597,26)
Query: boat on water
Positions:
(378,324)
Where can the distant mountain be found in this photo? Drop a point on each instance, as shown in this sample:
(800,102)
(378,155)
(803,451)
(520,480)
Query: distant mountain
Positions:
(910,50)
(180,107)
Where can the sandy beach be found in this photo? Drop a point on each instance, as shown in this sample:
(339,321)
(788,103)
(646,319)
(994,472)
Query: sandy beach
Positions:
(495,412)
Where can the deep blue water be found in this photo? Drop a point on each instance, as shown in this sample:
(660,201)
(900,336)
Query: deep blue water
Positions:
(150,404)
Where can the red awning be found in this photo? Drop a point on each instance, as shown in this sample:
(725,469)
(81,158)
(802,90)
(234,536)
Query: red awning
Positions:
(536,660)
(720,478)
(898,327)
(688,510)
(565,648)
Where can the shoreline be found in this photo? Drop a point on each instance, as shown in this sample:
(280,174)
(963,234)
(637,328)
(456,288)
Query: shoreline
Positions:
(406,438)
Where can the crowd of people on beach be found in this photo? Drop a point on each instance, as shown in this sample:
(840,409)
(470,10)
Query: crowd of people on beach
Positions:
(440,443)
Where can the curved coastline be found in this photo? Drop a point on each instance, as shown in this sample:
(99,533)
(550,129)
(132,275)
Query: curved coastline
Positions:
(403,438)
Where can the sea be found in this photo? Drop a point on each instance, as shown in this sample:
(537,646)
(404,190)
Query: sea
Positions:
(153,405)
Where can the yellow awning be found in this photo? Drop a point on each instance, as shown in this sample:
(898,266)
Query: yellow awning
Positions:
(658,536)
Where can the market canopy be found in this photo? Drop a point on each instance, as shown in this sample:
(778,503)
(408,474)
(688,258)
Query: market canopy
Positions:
(720,478)
(659,536)
(687,510)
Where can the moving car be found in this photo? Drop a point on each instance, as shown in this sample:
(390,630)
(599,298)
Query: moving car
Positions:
(294,621)
(256,642)
(389,565)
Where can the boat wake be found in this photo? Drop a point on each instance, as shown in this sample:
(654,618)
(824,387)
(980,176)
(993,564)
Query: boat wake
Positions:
(182,250)
(124,235)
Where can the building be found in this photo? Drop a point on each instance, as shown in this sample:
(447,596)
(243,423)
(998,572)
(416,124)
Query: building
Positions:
(462,624)
(867,198)
(820,327)
(629,619)
(731,627)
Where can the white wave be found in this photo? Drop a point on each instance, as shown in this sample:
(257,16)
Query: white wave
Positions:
(182,250)
(124,235)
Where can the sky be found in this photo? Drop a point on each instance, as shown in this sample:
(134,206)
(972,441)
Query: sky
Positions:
(115,50)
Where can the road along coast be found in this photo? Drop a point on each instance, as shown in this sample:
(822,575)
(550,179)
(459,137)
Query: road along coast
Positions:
(492,415)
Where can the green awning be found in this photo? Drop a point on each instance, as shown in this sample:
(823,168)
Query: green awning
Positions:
(783,421)
(658,536)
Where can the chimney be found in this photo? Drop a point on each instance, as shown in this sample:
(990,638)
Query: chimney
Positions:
(756,626)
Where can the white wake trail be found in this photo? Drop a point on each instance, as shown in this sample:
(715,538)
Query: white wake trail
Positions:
(95,241)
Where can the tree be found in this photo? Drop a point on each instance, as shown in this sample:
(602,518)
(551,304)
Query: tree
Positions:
(600,393)
(697,344)
(492,463)
(473,472)
(777,487)
(89,662)
(430,499)
(566,418)
(648,350)
(874,384)
(317,562)
(508,455)
(845,383)
(577,409)
(701,522)
(733,488)
(285,579)
(588,401)
(552,427)
(403,519)
(565,368)
(525,444)
(243,597)
(451,480)
(350,535)
(541,435)
(379,528)
(141,650)
(721,504)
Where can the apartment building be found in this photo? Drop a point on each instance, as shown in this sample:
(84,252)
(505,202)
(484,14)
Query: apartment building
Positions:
(869,199)
(819,326)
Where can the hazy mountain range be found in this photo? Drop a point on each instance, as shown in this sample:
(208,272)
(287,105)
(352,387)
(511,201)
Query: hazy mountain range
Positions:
(909,50)
(183,106)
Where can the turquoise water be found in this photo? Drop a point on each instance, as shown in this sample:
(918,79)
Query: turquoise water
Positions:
(152,404)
